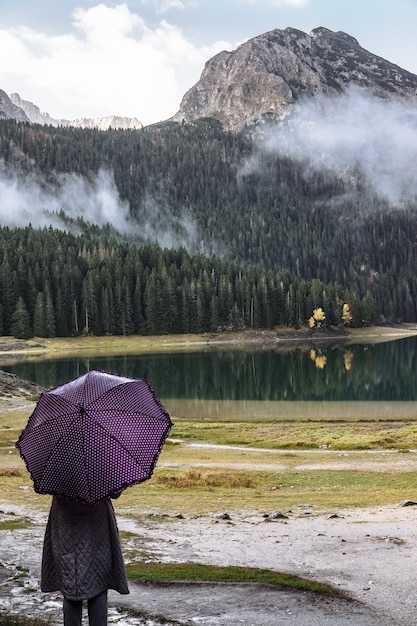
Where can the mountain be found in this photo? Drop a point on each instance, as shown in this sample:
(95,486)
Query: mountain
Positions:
(261,79)
(33,114)
(8,110)
(32,111)
(269,74)
(104,123)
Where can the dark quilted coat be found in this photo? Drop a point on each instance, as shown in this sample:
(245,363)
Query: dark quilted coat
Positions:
(81,552)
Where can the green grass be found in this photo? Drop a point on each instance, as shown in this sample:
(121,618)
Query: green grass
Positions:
(15,524)
(203,491)
(300,434)
(198,572)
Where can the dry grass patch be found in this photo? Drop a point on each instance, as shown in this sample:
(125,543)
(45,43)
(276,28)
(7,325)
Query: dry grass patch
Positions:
(191,479)
(13,471)
(173,492)
(17,620)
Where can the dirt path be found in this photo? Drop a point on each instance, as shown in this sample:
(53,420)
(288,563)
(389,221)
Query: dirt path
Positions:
(388,461)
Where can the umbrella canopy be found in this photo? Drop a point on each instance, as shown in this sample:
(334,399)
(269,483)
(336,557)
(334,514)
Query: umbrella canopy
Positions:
(94,436)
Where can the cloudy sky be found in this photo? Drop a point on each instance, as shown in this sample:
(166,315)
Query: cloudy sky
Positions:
(137,58)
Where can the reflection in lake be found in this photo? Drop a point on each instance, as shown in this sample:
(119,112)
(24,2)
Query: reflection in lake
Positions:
(381,372)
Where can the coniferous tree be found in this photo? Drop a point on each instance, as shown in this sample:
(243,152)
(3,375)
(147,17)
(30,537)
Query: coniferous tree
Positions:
(39,325)
(50,323)
(62,328)
(21,328)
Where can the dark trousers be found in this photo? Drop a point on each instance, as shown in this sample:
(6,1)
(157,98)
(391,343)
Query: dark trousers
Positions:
(97,611)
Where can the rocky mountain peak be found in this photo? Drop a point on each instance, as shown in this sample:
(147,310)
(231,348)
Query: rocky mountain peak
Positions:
(9,110)
(265,76)
(29,112)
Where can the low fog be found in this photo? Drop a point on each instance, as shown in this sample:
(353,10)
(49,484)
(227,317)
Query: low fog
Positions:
(30,199)
(352,133)
(167,230)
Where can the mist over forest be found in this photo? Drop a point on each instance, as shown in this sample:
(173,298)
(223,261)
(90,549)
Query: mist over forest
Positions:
(354,136)
(325,198)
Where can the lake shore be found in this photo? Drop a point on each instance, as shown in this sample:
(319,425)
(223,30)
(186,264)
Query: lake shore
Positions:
(277,338)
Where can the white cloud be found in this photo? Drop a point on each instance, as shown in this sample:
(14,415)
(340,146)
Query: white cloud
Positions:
(297,4)
(352,133)
(162,6)
(109,62)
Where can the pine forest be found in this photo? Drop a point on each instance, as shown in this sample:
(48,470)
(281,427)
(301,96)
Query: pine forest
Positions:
(206,243)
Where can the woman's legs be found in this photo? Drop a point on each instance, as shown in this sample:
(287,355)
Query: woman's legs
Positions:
(72,612)
(97,610)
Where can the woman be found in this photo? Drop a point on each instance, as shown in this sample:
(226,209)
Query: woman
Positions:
(82,558)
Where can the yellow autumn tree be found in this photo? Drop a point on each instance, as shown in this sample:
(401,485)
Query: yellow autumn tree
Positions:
(317,319)
(347,316)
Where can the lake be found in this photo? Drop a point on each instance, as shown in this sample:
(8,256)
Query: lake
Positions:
(261,382)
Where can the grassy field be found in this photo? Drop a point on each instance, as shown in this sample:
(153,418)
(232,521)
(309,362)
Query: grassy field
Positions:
(208,465)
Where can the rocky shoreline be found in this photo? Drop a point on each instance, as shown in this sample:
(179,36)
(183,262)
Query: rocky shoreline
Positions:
(11,386)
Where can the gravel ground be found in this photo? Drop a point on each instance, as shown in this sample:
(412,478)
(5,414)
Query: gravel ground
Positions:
(369,554)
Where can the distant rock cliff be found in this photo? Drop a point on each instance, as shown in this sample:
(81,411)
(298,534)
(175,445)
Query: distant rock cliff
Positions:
(33,114)
(8,110)
(104,123)
(268,74)
(31,111)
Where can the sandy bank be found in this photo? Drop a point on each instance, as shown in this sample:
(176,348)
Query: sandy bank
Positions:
(278,337)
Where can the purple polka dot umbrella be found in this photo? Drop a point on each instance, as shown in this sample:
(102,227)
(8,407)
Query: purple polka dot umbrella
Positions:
(92,437)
